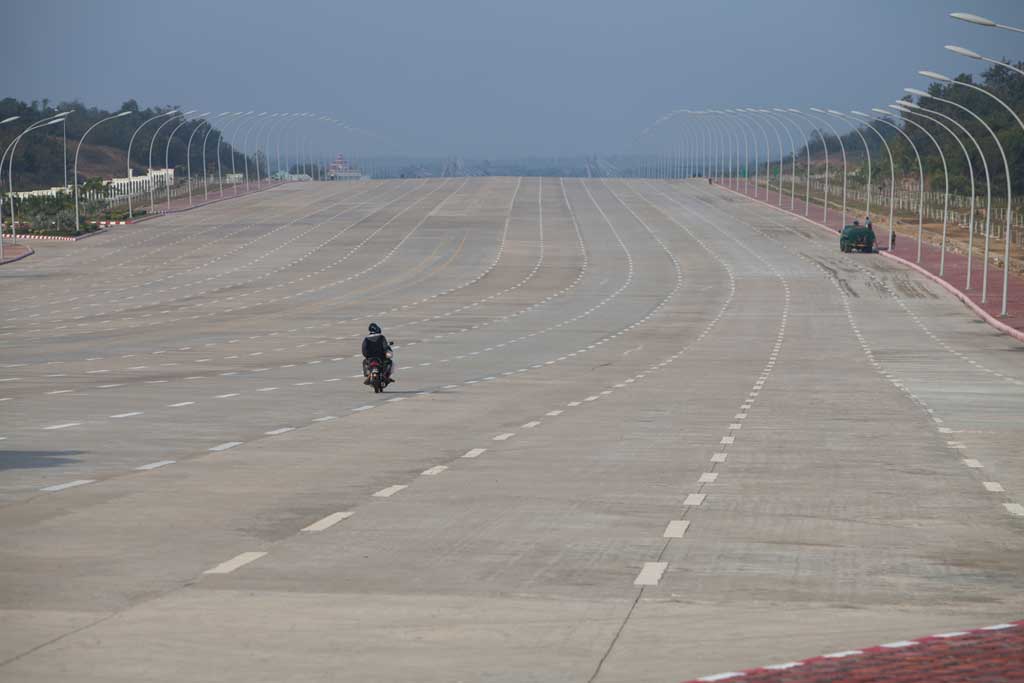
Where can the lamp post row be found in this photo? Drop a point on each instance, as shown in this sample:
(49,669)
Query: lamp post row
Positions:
(715,142)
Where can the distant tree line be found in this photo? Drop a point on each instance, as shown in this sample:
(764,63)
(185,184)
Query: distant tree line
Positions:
(1004,83)
(39,157)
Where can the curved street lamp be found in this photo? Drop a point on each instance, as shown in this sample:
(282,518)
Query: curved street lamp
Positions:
(824,145)
(842,150)
(78,149)
(867,153)
(768,171)
(982,21)
(188,153)
(13,147)
(781,113)
(792,157)
(906,108)
(984,165)
(945,175)
(206,136)
(167,151)
(152,140)
(172,112)
(1006,258)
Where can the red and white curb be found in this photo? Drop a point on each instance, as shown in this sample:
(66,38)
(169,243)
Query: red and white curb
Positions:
(54,238)
(107,223)
(887,647)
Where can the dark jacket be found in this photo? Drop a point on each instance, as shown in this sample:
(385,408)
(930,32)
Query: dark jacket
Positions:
(375,346)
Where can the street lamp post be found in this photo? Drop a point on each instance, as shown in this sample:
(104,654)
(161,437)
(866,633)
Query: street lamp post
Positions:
(188,153)
(149,171)
(842,150)
(867,153)
(792,158)
(988,182)
(78,149)
(906,109)
(768,171)
(742,115)
(206,136)
(245,144)
(1009,191)
(982,21)
(9,119)
(746,127)
(781,113)
(824,146)
(13,147)
(945,175)
(132,140)
(167,153)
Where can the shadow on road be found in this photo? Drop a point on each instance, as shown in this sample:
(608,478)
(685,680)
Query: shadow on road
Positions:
(24,460)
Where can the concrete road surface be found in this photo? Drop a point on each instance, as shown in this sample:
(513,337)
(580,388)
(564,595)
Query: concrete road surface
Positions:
(642,431)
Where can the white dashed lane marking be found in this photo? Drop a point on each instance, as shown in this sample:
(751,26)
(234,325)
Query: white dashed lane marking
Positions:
(475,452)
(123,415)
(436,469)
(226,445)
(676,528)
(280,430)
(328,521)
(155,465)
(650,574)
(504,437)
(235,562)
(63,425)
(68,485)
(390,491)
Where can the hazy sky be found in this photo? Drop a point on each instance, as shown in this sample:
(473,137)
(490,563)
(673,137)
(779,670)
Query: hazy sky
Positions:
(488,79)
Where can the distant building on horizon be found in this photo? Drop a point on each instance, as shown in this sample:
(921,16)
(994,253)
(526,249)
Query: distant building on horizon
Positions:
(340,170)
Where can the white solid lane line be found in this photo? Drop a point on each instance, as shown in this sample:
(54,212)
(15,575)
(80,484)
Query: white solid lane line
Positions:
(235,562)
(328,521)
(155,465)
(651,573)
(436,469)
(281,430)
(64,425)
(475,453)
(226,445)
(390,491)
(68,485)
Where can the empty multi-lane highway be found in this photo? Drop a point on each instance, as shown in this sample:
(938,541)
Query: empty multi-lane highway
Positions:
(642,431)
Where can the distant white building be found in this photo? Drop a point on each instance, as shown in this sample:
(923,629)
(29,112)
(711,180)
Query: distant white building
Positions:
(340,170)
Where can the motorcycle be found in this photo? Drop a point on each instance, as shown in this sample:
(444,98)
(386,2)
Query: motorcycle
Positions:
(379,379)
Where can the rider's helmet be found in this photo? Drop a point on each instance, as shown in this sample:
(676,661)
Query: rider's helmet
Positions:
(374,328)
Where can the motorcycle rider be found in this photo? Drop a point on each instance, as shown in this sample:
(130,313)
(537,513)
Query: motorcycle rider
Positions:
(376,345)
